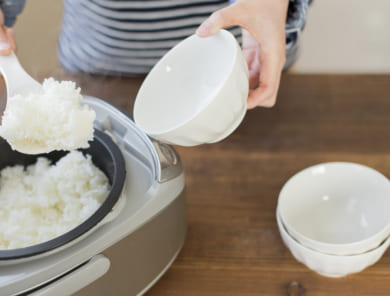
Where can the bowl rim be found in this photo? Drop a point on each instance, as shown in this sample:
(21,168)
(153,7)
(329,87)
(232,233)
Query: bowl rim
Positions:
(283,228)
(92,221)
(212,95)
(380,235)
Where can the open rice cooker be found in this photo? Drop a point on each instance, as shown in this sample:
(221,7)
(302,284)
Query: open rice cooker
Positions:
(146,204)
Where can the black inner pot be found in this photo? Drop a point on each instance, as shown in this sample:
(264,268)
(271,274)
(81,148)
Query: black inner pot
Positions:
(105,155)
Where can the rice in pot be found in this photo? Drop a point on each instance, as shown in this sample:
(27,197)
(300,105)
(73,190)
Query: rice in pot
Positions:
(43,201)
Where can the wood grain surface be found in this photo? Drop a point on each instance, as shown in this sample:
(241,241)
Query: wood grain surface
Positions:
(233,245)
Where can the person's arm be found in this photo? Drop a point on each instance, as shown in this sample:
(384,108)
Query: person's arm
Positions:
(264,42)
(9,10)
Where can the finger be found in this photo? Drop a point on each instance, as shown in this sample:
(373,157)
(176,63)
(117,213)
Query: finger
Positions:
(11,38)
(5,46)
(254,80)
(254,70)
(220,19)
(265,94)
(251,58)
(250,49)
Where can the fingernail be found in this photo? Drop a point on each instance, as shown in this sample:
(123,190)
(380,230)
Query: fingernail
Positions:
(203,30)
(4,45)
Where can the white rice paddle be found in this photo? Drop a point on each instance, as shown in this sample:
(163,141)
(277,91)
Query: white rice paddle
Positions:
(16,78)
(17,81)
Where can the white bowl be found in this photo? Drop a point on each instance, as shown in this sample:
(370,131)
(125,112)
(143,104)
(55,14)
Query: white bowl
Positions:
(196,93)
(330,265)
(337,208)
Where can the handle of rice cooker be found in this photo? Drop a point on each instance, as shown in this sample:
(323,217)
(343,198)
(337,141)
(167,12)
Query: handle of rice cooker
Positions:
(77,279)
(170,163)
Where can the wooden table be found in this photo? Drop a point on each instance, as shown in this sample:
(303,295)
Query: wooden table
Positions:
(233,245)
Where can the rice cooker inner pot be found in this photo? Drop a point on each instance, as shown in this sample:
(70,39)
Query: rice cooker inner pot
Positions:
(105,155)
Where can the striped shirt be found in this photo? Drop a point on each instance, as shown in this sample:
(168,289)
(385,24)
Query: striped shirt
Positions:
(127,37)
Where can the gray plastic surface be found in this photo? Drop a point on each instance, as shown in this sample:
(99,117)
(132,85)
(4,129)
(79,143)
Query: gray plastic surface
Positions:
(146,200)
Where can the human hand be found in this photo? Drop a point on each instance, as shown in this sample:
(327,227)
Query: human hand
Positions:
(264,42)
(7,39)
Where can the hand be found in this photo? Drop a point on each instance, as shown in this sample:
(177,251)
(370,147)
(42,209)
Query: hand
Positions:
(264,42)
(7,39)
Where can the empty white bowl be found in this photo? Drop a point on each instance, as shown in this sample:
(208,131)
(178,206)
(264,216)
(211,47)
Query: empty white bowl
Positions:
(196,93)
(330,265)
(337,208)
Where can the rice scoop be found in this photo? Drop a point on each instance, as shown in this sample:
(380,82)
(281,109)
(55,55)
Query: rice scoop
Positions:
(52,119)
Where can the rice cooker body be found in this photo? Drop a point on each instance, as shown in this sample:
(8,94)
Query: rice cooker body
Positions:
(149,219)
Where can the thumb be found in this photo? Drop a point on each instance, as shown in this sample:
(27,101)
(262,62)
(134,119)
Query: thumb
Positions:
(11,38)
(220,19)
(5,46)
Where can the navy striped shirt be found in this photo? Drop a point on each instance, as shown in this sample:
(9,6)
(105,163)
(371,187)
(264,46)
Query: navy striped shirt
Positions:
(127,37)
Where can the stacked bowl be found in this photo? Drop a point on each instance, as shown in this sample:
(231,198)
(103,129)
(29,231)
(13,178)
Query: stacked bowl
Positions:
(335,217)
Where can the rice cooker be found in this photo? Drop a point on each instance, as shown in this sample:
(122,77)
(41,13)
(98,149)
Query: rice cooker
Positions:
(146,205)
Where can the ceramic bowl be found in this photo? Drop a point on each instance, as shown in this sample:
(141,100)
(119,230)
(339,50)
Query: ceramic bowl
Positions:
(196,93)
(330,265)
(337,208)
